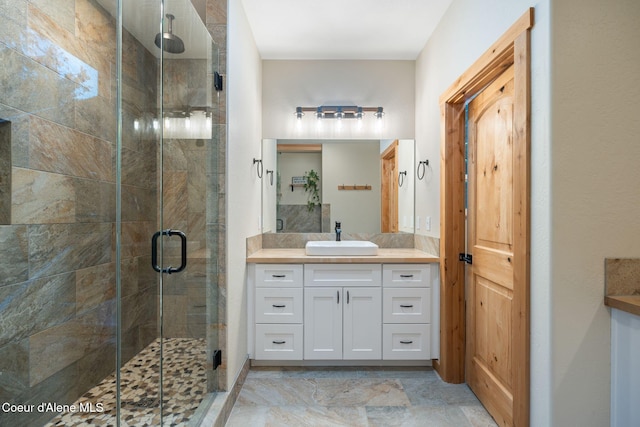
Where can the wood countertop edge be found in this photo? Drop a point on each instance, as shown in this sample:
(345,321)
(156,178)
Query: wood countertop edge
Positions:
(298,256)
(628,303)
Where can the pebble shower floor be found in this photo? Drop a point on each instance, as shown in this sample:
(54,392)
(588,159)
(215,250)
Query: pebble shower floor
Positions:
(185,382)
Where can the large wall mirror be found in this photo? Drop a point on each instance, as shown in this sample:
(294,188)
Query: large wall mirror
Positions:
(367,185)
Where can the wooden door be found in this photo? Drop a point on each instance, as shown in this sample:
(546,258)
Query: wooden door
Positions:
(491,286)
(362,339)
(389,189)
(323,323)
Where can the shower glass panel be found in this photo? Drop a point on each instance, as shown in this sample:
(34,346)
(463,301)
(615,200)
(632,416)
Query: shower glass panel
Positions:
(168,167)
(106,140)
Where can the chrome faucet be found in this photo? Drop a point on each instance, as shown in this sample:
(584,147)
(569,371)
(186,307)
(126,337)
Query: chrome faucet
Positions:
(338,231)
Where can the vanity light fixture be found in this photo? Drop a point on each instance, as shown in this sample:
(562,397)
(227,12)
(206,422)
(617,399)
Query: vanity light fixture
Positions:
(339,112)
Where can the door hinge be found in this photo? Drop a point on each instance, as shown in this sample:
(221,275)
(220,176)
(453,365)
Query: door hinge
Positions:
(468,258)
(217,358)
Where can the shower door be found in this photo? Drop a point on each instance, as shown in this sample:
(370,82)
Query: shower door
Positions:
(168,337)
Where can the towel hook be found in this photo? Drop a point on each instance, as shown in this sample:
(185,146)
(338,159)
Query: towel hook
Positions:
(258,167)
(424,165)
(401,177)
(270,173)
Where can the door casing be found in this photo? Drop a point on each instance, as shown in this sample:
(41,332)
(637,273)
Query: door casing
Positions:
(513,48)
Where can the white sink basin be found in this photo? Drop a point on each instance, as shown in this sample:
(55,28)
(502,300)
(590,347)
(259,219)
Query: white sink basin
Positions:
(345,247)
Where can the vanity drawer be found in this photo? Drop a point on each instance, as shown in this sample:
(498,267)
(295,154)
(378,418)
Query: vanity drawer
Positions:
(278,342)
(406,275)
(342,274)
(406,305)
(278,305)
(279,275)
(406,342)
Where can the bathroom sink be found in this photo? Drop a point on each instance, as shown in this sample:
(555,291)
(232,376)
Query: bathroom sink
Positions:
(345,247)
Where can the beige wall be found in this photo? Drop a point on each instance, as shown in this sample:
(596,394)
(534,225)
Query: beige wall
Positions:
(243,185)
(595,200)
(350,163)
(289,84)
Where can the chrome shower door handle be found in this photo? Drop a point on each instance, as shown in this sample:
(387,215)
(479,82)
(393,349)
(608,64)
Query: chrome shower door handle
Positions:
(154,251)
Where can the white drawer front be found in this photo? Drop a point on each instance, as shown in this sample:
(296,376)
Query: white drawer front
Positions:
(406,305)
(279,275)
(406,275)
(278,305)
(278,342)
(406,342)
(342,275)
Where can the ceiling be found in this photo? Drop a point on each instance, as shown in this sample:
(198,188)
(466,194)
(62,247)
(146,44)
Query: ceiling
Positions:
(339,29)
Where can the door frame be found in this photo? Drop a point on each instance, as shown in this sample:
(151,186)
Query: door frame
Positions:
(389,190)
(512,48)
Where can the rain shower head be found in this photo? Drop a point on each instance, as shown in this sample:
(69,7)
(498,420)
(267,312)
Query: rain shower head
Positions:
(169,41)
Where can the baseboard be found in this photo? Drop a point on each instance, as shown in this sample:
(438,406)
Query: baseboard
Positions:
(222,402)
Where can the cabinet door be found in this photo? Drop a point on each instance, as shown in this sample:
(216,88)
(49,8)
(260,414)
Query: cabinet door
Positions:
(323,323)
(362,323)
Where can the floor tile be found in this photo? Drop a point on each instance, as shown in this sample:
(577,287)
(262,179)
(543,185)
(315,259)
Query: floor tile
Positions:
(318,397)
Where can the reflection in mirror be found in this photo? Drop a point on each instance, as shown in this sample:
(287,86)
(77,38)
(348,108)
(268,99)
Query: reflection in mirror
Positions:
(367,185)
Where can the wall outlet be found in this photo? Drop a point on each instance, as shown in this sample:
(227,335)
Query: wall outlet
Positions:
(427,223)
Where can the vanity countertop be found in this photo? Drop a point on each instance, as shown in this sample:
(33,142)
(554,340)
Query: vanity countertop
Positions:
(622,284)
(628,303)
(298,256)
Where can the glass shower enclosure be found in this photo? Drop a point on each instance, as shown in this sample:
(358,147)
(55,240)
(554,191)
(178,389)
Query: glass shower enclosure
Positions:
(109,153)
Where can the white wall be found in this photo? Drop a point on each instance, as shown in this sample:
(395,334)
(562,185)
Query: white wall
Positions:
(269,185)
(244,88)
(595,203)
(406,194)
(291,84)
(468,28)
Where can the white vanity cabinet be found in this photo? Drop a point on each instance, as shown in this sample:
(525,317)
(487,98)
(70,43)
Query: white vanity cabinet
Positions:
(406,332)
(342,312)
(278,311)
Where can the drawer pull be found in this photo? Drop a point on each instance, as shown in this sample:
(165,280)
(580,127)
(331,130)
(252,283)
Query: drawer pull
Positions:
(278,276)
(279,342)
(406,305)
(278,305)
(406,342)
(406,276)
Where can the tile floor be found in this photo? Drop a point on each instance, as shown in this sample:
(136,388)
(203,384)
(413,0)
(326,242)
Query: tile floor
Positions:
(185,383)
(315,397)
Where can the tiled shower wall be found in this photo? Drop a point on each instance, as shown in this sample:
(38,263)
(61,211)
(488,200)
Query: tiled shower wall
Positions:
(57,272)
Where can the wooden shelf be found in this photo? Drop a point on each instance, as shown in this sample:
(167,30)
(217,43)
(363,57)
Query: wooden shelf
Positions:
(354,187)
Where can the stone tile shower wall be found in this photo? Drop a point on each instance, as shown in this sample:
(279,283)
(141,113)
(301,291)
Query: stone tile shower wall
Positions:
(187,164)
(57,270)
